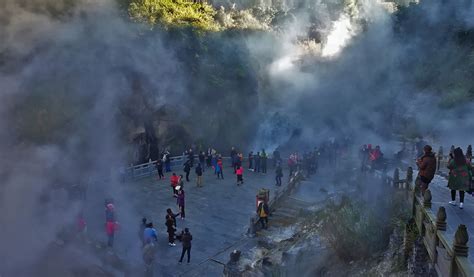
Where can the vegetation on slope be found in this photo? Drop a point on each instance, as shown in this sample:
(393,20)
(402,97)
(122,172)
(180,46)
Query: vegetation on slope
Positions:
(174,12)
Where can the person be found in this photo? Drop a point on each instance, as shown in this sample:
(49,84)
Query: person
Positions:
(170,228)
(251,160)
(170,214)
(239,172)
(149,234)
(209,157)
(427,168)
(186,239)
(279,174)
(159,168)
(469,153)
(110,224)
(180,202)
(199,175)
(167,160)
(180,183)
(141,230)
(238,160)
(263,212)
(235,160)
(263,159)
(174,179)
(187,169)
(202,159)
(374,157)
(220,169)
(256,159)
(460,176)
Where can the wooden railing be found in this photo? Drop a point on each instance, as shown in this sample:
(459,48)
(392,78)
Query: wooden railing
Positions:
(276,199)
(149,169)
(448,254)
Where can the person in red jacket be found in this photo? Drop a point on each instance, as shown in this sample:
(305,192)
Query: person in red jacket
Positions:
(240,172)
(111,225)
(174,179)
(220,169)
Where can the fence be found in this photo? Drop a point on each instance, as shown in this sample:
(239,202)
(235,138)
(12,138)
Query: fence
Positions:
(276,200)
(149,169)
(448,255)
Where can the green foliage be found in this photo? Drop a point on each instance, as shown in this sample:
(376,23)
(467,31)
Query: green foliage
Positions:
(174,13)
(356,230)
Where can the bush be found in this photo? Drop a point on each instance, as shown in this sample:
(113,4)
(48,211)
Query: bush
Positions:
(175,13)
(357,231)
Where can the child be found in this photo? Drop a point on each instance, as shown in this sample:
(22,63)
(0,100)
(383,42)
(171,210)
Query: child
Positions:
(240,178)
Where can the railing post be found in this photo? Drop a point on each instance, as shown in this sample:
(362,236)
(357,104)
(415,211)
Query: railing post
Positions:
(440,226)
(441,219)
(427,199)
(460,241)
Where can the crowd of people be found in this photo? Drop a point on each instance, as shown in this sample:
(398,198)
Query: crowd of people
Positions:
(371,158)
(460,176)
(459,182)
(203,161)
(206,160)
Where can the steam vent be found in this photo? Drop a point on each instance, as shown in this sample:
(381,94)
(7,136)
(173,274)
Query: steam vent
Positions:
(247,138)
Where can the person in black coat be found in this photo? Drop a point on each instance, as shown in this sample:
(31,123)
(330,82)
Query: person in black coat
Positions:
(251,165)
(256,160)
(159,168)
(279,174)
(186,239)
(199,171)
(209,157)
(170,228)
(173,216)
(187,169)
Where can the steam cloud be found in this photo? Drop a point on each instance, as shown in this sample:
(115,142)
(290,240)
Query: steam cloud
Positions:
(56,65)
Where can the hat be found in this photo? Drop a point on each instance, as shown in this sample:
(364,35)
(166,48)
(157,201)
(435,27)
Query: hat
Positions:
(178,187)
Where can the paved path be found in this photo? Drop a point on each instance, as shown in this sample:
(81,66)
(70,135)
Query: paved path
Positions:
(217,215)
(455,216)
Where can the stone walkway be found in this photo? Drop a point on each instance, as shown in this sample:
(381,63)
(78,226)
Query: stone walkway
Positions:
(217,215)
(441,196)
